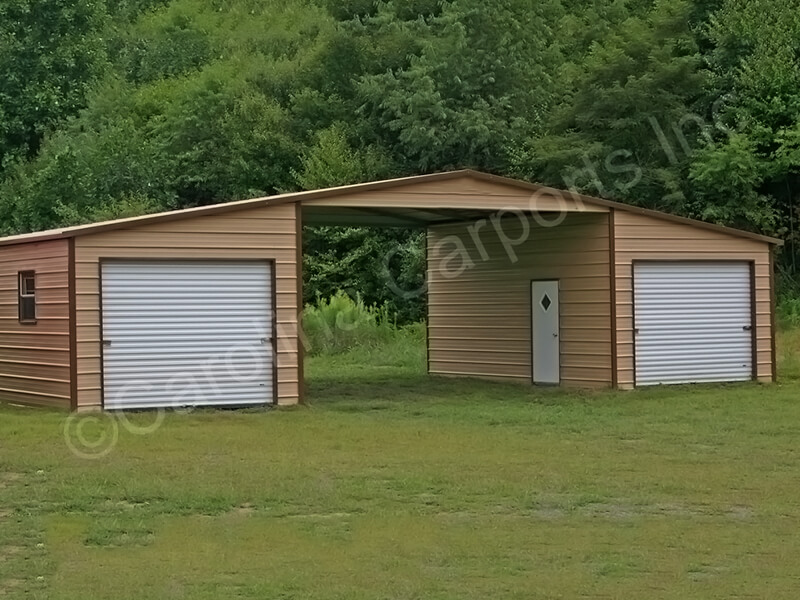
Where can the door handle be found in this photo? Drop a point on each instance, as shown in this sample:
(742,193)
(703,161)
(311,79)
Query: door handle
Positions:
(555,335)
(747,328)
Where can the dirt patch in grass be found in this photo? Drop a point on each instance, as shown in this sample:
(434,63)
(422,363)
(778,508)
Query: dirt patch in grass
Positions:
(245,509)
(9,585)
(9,477)
(9,552)
(322,516)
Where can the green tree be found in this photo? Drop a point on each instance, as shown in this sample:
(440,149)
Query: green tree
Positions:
(384,266)
(482,78)
(621,128)
(51,53)
(754,67)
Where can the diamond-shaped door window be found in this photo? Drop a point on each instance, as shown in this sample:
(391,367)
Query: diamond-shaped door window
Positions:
(546,302)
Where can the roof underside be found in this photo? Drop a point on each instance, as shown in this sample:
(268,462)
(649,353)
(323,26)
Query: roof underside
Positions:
(387,217)
(419,201)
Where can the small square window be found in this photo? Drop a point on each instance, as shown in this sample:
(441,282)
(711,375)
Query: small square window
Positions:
(27,297)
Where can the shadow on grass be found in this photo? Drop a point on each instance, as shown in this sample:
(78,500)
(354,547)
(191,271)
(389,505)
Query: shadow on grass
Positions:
(413,392)
(370,391)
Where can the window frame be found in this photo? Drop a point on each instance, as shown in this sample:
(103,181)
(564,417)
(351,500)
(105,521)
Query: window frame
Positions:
(26,296)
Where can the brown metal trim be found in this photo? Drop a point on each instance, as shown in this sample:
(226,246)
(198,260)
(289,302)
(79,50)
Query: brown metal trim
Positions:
(633,316)
(215,209)
(625,207)
(73,326)
(188,259)
(100,263)
(427,303)
(268,261)
(362,187)
(301,351)
(273,267)
(753,321)
(612,273)
(692,260)
(772,319)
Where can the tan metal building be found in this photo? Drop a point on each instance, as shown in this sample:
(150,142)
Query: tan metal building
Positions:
(527,283)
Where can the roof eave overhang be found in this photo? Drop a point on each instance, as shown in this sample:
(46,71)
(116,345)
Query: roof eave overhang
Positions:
(360,188)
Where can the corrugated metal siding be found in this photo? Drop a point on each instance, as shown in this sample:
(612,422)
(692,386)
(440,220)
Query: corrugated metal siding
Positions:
(642,237)
(261,233)
(466,193)
(480,321)
(693,322)
(34,359)
(179,333)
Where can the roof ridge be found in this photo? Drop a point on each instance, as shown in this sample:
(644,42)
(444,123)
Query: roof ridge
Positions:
(211,209)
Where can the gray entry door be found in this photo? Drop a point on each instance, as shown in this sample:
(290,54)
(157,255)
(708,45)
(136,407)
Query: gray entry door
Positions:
(546,333)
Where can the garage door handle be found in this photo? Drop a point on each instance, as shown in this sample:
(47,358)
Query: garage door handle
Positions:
(747,328)
(107,343)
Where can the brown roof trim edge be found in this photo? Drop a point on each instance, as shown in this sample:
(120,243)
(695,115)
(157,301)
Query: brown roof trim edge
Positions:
(612,277)
(73,325)
(772,317)
(215,209)
(301,374)
(626,207)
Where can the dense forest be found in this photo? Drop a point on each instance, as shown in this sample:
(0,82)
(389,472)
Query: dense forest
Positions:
(122,107)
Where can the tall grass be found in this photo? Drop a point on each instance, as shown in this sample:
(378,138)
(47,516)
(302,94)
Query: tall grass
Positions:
(788,321)
(340,324)
(788,311)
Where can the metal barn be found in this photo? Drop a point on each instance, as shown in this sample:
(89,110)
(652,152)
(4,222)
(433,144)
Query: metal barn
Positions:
(201,307)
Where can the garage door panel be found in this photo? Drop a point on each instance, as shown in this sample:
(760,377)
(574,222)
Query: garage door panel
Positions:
(679,320)
(693,322)
(195,333)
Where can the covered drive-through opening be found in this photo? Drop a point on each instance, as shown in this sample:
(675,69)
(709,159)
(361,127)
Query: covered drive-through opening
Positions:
(518,285)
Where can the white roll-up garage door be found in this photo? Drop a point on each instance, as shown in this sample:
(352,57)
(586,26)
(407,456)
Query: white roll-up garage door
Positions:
(693,322)
(187,333)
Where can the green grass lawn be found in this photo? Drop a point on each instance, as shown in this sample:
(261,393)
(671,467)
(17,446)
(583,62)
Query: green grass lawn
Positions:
(393,485)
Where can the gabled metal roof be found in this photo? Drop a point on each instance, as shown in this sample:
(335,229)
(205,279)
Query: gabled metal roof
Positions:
(403,182)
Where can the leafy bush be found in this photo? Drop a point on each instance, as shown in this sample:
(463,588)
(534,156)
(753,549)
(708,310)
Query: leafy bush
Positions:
(341,323)
(788,312)
(385,267)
